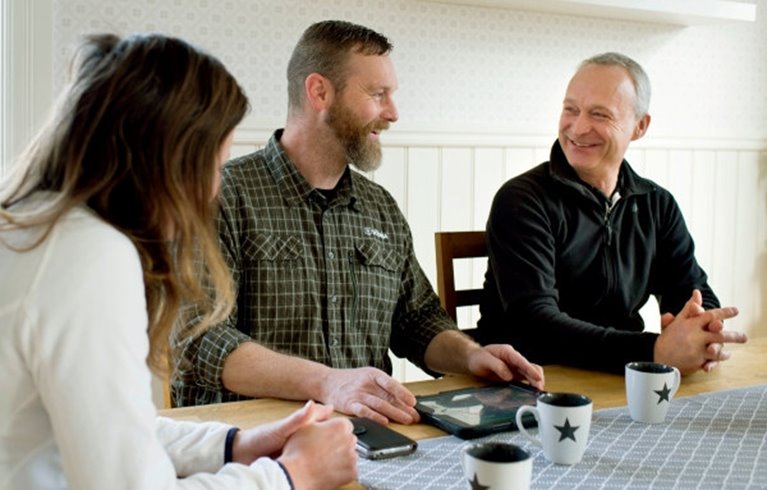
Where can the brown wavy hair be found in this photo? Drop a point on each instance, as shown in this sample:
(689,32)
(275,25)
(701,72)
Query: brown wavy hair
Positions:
(135,137)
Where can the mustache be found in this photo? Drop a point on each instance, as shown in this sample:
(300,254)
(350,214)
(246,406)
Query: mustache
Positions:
(377,126)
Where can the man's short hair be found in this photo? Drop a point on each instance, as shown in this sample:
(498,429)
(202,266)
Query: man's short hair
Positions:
(324,48)
(636,72)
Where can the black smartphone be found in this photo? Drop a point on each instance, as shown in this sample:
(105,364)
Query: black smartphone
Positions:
(376,441)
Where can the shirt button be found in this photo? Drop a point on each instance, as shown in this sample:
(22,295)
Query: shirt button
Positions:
(334,342)
(334,299)
(331,255)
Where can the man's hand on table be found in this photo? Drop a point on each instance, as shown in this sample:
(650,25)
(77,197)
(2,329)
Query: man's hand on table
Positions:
(694,339)
(369,392)
(501,362)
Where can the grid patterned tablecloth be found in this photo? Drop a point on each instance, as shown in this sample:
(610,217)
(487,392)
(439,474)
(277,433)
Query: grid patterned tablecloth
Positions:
(714,440)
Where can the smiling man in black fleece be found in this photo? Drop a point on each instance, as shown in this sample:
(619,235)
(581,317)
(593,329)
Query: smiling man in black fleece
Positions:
(578,243)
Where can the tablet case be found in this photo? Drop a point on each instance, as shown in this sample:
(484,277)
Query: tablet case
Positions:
(474,412)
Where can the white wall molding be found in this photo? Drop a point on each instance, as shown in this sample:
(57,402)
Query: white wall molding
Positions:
(678,12)
(27,73)
(256,132)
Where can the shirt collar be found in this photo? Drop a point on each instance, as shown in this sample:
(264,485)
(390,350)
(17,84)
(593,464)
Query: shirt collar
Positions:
(295,189)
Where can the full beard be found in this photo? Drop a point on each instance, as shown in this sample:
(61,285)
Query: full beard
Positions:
(361,152)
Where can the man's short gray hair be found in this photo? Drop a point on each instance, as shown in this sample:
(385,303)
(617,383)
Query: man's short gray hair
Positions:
(635,71)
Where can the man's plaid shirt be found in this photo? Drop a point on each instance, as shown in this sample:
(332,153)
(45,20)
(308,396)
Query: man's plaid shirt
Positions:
(332,281)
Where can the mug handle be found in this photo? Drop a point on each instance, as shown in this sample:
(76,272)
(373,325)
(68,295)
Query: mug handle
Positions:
(677,381)
(522,429)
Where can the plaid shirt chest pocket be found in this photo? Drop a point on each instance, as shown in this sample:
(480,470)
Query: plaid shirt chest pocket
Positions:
(275,284)
(376,273)
(273,248)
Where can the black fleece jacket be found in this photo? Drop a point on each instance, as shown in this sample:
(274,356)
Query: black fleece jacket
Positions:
(568,271)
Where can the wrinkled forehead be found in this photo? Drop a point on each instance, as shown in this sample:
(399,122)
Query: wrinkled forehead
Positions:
(371,70)
(606,86)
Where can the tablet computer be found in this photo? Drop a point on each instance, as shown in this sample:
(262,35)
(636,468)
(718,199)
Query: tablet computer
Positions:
(478,411)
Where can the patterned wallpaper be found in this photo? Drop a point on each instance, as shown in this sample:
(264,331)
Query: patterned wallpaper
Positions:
(466,68)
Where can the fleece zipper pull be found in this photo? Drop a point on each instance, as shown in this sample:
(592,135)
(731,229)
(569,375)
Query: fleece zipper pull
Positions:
(608,211)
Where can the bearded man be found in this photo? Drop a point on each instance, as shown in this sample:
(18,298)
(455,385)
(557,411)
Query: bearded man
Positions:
(322,258)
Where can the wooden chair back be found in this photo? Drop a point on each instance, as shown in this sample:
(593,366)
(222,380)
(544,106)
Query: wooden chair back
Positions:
(452,245)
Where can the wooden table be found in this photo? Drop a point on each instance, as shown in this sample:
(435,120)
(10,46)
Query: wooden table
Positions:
(747,367)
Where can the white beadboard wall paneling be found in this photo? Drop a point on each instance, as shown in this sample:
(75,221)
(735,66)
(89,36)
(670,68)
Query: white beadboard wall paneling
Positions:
(700,216)
(656,166)
(758,286)
(423,214)
(726,235)
(518,160)
(746,249)
(636,157)
(5,68)
(26,72)
(457,213)
(489,174)
(680,171)
(457,189)
(719,185)
(393,174)
(423,203)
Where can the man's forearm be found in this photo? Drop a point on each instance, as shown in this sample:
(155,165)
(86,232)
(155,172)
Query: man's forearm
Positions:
(448,352)
(254,370)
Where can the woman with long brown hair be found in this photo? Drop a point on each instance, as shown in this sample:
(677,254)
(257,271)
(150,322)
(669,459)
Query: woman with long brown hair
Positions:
(101,224)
